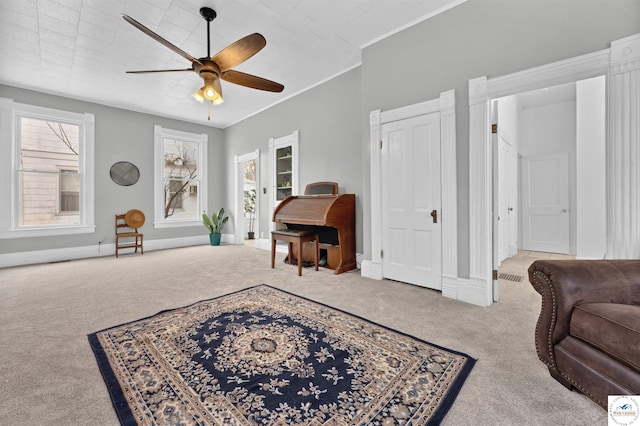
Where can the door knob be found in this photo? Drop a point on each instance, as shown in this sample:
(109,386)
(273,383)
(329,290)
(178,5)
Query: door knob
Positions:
(564,210)
(434,215)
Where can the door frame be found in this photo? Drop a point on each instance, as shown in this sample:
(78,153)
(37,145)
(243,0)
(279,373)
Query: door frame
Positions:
(445,105)
(621,65)
(238,162)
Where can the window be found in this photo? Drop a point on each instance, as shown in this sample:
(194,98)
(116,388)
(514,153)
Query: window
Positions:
(46,163)
(69,191)
(180,177)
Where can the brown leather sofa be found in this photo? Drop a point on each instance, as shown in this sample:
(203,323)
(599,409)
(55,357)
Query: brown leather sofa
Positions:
(588,332)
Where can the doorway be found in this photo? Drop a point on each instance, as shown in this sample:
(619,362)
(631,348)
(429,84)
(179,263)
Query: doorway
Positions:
(246,222)
(250,191)
(444,106)
(622,92)
(560,153)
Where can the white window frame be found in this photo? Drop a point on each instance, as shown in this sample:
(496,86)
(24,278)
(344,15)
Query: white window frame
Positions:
(10,112)
(159,135)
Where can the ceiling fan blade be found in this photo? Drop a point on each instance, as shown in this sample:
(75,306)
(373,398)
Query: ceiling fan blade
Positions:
(252,81)
(239,51)
(159,39)
(150,71)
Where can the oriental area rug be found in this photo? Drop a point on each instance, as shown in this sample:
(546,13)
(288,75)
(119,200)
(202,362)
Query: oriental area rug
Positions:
(262,356)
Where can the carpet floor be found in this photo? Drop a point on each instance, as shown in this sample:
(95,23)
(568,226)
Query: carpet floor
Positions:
(49,375)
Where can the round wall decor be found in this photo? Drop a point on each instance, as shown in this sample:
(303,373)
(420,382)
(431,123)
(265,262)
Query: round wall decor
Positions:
(124,173)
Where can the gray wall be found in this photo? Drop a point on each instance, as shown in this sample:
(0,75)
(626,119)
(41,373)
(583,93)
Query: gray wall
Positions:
(121,135)
(328,118)
(477,38)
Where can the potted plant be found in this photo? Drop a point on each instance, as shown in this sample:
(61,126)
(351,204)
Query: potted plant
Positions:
(250,209)
(215,225)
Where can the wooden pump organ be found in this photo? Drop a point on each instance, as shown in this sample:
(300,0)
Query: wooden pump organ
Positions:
(332,217)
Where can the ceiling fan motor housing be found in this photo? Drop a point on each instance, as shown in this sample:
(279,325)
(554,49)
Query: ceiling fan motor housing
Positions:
(207,67)
(208,14)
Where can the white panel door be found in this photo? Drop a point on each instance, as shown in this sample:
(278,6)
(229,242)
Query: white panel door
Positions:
(411,232)
(545,203)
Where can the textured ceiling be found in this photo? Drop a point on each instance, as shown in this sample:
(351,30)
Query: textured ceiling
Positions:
(82,48)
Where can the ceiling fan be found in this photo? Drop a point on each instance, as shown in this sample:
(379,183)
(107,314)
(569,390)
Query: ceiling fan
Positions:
(219,66)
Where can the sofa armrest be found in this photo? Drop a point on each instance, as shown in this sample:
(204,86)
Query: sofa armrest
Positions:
(564,284)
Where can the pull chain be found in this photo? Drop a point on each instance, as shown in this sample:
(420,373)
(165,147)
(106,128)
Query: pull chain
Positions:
(208,112)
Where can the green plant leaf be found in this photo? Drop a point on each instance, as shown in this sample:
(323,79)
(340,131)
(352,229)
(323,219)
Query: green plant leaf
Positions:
(216,224)
(207,222)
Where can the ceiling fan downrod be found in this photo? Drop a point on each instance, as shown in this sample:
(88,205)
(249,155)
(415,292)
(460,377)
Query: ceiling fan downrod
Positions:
(209,15)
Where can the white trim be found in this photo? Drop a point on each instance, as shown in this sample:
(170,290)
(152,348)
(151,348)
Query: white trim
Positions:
(293,95)
(480,189)
(87,191)
(83,252)
(47,232)
(623,153)
(470,291)
(263,243)
(371,269)
(622,65)
(449,192)
(553,74)
(159,134)
(10,111)
(445,106)
(414,22)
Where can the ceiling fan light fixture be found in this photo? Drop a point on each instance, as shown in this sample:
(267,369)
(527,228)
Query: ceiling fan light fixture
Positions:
(199,95)
(212,91)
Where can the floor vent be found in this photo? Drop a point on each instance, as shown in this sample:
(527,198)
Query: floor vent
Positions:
(510,277)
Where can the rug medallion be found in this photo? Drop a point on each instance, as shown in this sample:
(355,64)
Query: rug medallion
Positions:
(263,356)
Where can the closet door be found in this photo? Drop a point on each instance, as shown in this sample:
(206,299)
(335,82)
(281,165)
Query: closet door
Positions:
(411,201)
(545,203)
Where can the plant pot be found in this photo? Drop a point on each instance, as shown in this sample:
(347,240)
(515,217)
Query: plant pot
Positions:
(251,235)
(214,239)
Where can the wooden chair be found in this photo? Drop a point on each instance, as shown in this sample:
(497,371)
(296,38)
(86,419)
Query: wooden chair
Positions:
(127,228)
(294,236)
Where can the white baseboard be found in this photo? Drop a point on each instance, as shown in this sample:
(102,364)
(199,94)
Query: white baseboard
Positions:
(468,290)
(71,253)
(465,290)
(450,286)
(371,269)
(265,244)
